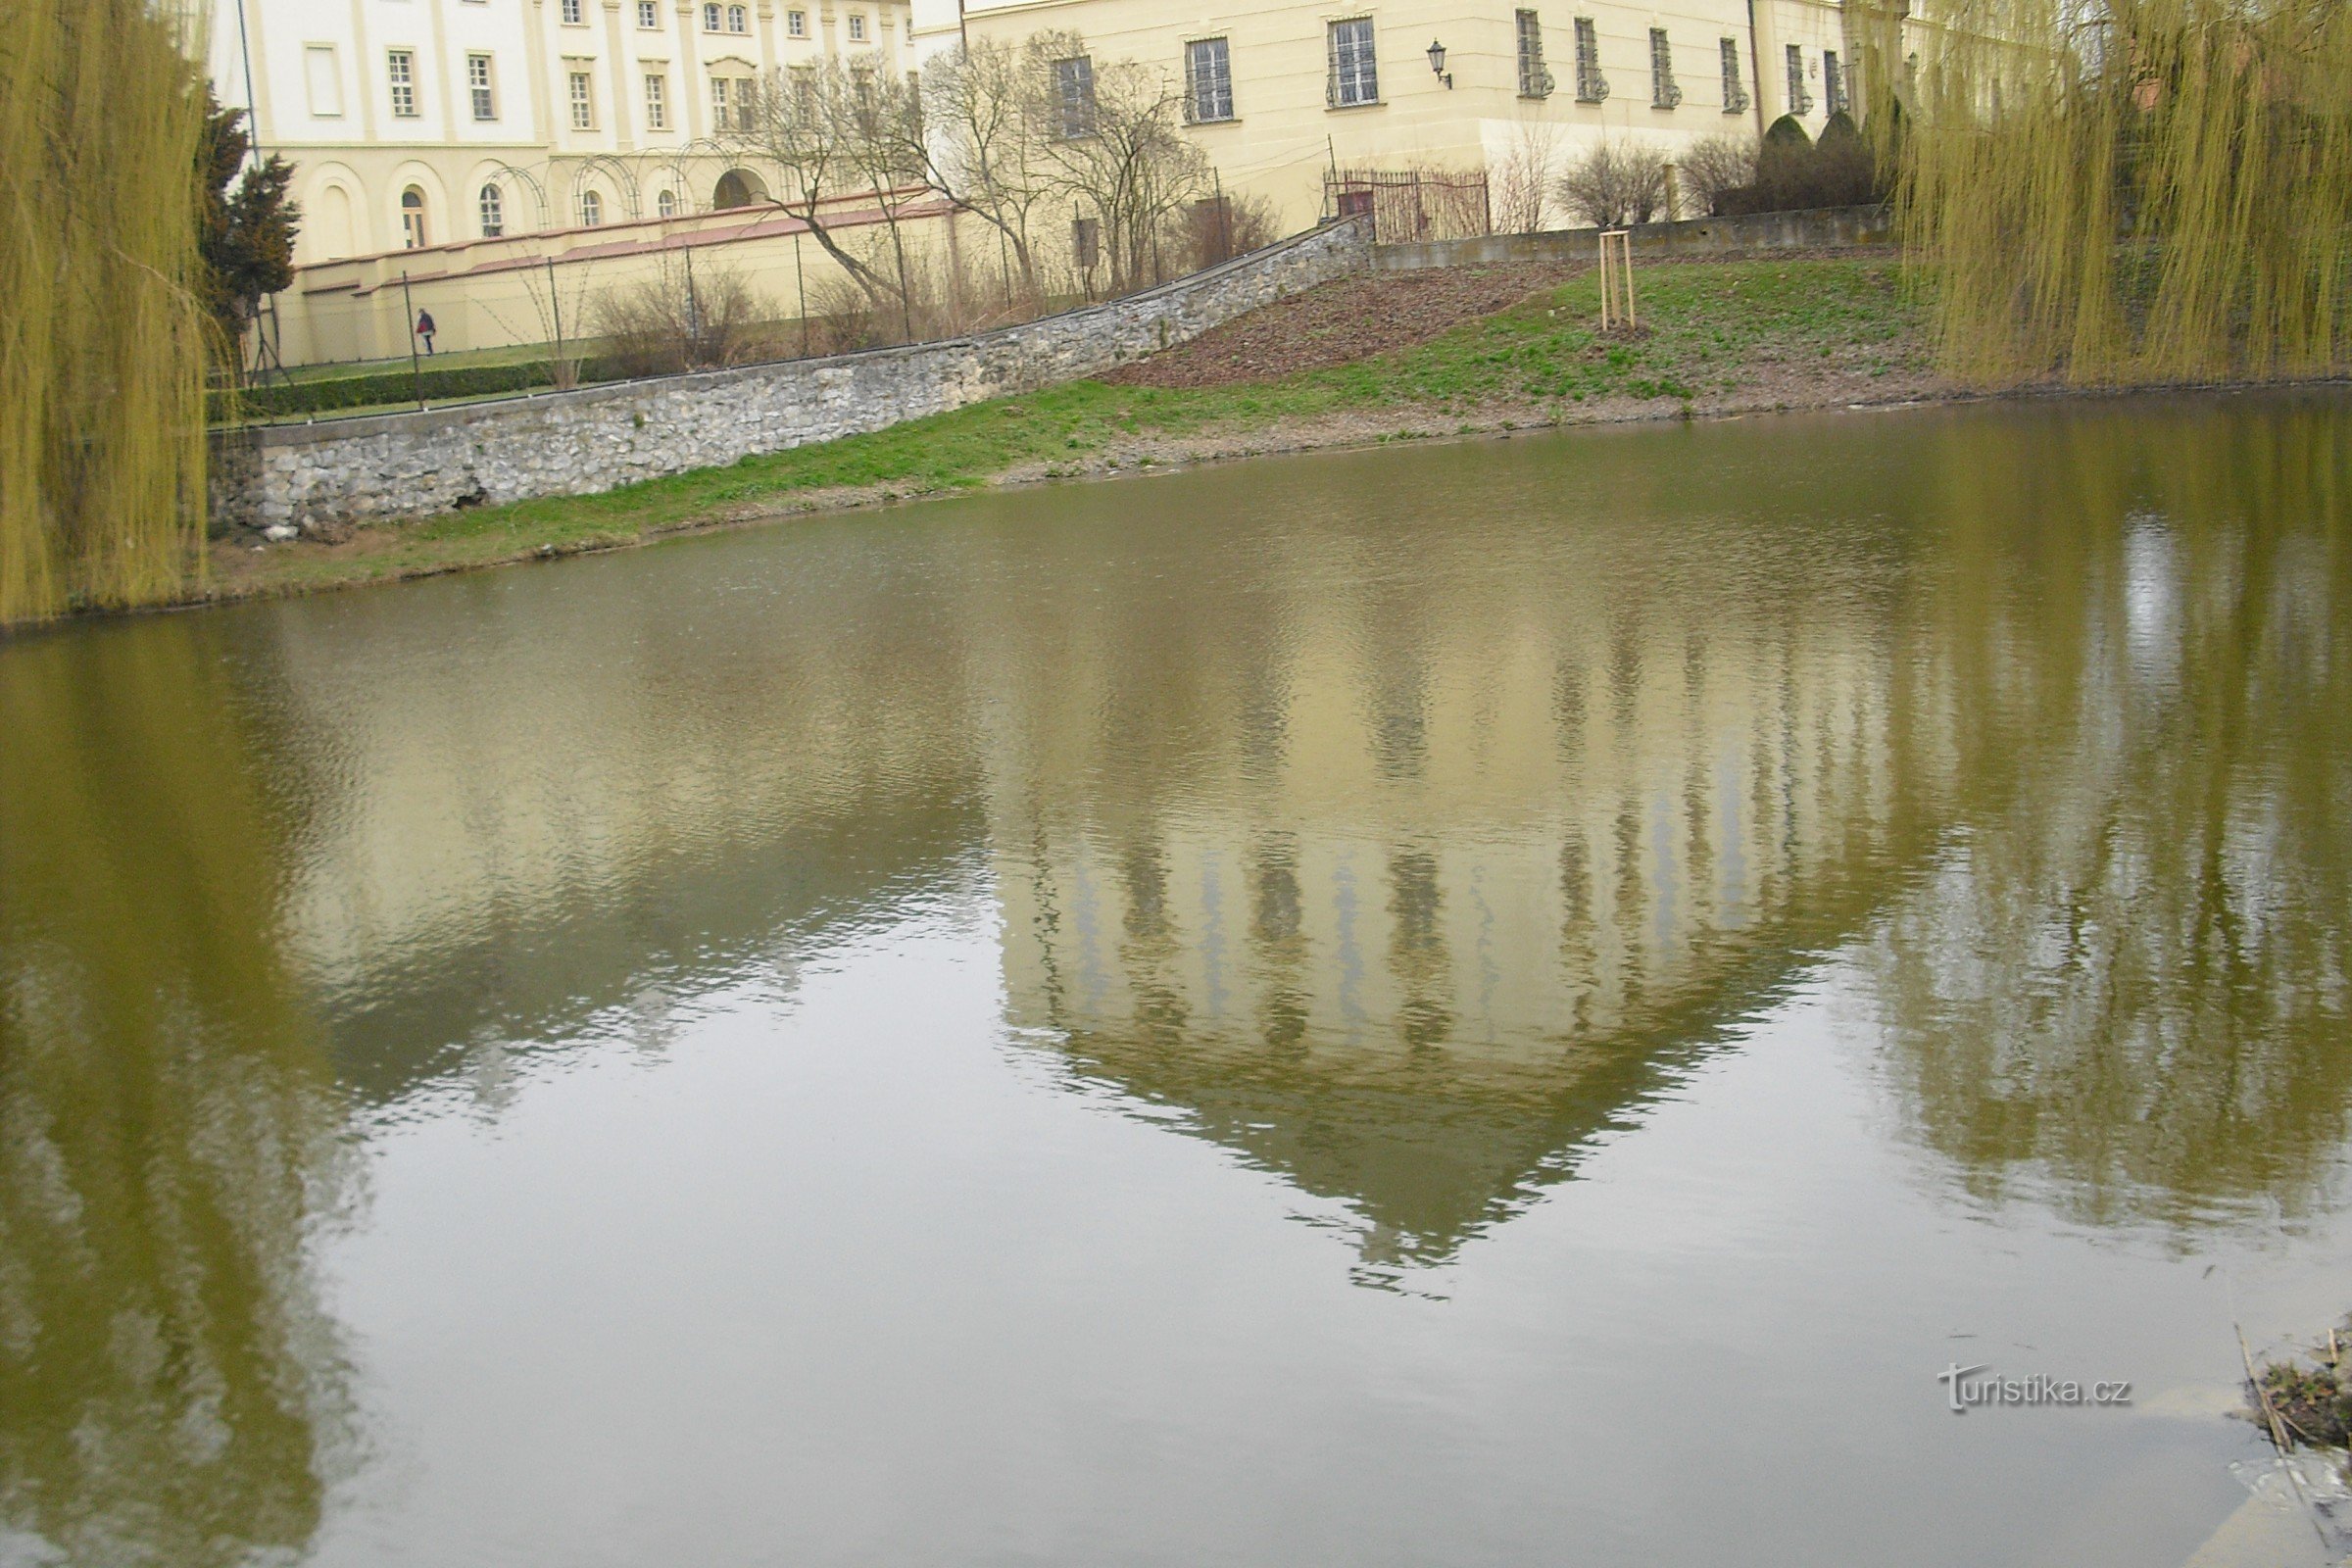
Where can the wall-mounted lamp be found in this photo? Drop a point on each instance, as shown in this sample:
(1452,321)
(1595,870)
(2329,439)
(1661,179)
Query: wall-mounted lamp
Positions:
(1436,63)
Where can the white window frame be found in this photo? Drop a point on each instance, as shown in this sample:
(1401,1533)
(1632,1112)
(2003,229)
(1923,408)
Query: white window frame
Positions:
(712,15)
(400,74)
(580,94)
(796,23)
(592,208)
(490,208)
(1351,63)
(1208,95)
(481,86)
(656,100)
(649,15)
(574,12)
(738,21)
(856,27)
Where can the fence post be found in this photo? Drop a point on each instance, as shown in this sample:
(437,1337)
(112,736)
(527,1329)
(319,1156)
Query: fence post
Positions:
(555,304)
(799,284)
(408,304)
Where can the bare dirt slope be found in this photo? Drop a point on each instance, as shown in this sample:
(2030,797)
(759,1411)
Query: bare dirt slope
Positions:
(1342,323)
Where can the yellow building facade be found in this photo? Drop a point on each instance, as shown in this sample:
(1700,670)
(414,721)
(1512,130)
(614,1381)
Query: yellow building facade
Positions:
(1279,95)
(419,124)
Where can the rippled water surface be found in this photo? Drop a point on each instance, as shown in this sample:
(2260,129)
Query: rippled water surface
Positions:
(1491,1004)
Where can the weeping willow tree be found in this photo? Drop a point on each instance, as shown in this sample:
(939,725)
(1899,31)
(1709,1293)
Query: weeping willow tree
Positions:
(2123,191)
(170,1135)
(102,334)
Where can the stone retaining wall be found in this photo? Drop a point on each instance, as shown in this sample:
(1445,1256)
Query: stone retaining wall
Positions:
(1821,227)
(406,466)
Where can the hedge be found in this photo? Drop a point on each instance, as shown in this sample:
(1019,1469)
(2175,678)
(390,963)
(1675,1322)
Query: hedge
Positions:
(331,393)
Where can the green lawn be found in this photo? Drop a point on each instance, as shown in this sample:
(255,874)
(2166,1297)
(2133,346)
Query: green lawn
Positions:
(1714,326)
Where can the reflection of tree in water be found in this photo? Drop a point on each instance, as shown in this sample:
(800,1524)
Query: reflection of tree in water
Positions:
(166,1129)
(2058,768)
(2126,984)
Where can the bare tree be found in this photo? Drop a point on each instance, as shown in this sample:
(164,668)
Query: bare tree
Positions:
(1617,181)
(1713,165)
(830,132)
(1520,181)
(1116,145)
(980,141)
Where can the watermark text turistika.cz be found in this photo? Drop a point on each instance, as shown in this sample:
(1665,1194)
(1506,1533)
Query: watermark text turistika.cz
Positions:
(1966,1392)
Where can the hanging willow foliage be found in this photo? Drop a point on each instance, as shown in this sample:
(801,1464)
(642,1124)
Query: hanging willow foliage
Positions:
(2123,191)
(102,339)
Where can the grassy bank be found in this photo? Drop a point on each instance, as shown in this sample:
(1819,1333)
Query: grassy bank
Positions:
(1716,337)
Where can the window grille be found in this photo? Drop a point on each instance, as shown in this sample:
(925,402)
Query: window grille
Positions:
(1800,102)
(1074,97)
(1591,86)
(1535,81)
(1663,93)
(1833,81)
(1735,90)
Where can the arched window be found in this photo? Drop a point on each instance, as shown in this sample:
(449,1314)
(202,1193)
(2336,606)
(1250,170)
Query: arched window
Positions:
(592,208)
(494,212)
(667,204)
(737,187)
(411,219)
(736,21)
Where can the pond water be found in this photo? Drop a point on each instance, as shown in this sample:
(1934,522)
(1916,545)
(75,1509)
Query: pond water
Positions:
(1496,1002)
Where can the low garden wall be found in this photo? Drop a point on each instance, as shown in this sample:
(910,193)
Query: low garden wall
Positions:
(1818,227)
(405,465)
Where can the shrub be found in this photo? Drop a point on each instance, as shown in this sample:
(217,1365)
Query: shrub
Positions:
(1714,165)
(841,318)
(678,319)
(1615,182)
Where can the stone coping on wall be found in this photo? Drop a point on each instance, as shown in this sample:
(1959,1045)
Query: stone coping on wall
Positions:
(1808,229)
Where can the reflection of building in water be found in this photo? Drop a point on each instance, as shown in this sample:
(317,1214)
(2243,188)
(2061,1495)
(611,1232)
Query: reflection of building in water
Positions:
(1435,891)
(631,805)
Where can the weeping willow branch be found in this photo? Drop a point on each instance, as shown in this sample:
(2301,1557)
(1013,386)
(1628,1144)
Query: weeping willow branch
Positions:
(2123,191)
(102,337)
